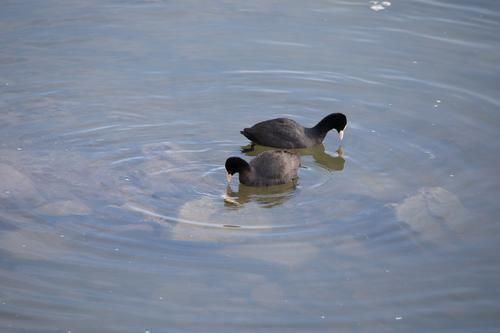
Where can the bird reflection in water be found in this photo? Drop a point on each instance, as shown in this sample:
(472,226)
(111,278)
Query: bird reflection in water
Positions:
(318,153)
(266,196)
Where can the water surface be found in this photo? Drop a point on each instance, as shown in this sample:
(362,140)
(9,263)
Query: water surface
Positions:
(116,118)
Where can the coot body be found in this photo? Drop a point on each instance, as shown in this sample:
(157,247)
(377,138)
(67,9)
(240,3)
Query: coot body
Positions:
(268,168)
(287,133)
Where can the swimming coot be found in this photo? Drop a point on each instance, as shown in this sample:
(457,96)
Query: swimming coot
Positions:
(268,168)
(287,133)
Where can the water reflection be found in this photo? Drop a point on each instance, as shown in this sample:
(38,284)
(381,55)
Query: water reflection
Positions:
(321,157)
(268,196)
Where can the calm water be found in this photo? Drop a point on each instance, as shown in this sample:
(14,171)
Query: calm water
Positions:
(116,118)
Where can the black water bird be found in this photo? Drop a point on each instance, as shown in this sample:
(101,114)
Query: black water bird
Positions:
(287,133)
(268,168)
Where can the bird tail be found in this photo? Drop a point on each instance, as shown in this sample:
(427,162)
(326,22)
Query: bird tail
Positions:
(247,134)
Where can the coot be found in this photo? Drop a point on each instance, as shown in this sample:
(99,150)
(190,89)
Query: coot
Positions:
(287,133)
(268,168)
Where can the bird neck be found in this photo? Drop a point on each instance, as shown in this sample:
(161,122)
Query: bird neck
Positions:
(318,132)
(323,126)
(246,175)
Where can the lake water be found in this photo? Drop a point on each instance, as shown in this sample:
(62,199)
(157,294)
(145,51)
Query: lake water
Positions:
(116,118)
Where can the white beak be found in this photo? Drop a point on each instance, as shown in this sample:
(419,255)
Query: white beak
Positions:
(229,177)
(341,135)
